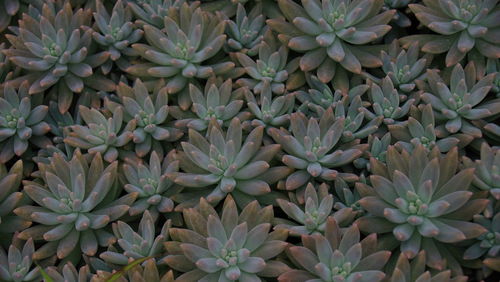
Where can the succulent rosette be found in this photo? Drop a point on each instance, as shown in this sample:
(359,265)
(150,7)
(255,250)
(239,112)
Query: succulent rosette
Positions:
(54,50)
(462,27)
(75,200)
(329,32)
(423,201)
(179,50)
(229,247)
(336,256)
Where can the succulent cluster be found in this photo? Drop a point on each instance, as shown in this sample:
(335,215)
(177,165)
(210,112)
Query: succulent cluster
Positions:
(249,140)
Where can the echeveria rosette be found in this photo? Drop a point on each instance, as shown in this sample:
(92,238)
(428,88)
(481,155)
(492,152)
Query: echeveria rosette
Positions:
(219,102)
(461,101)
(347,198)
(329,32)
(386,102)
(21,122)
(311,218)
(10,198)
(149,113)
(419,129)
(352,112)
(152,12)
(270,111)
(115,33)
(405,67)
(134,245)
(76,200)
(487,246)
(272,65)
(151,183)
(179,51)
(8,9)
(246,32)
(423,201)
(232,163)
(100,135)
(17,264)
(320,96)
(148,272)
(336,256)
(406,271)
(377,148)
(463,27)
(229,247)
(54,50)
(487,175)
(313,149)
(69,273)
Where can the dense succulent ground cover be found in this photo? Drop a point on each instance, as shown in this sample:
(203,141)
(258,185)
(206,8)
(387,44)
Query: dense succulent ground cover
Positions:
(249,140)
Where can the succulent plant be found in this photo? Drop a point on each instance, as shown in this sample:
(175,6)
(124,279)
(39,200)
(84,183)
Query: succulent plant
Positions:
(462,27)
(223,160)
(460,102)
(147,273)
(136,245)
(179,50)
(218,102)
(422,200)
(386,102)
(21,122)
(229,247)
(101,135)
(76,200)
(320,96)
(405,67)
(486,246)
(420,130)
(312,148)
(149,113)
(152,12)
(272,66)
(59,123)
(17,264)
(54,51)
(336,256)
(10,198)
(377,150)
(269,111)
(352,112)
(487,174)
(329,32)
(69,273)
(346,198)
(246,32)
(311,219)
(116,32)
(156,140)
(405,271)
(152,185)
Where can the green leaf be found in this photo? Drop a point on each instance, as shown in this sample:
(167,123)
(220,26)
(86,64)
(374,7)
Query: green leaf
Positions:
(45,276)
(128,267)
